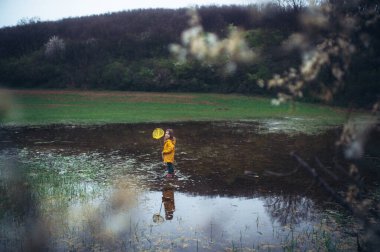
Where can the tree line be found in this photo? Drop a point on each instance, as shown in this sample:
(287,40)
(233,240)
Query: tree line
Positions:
(128,50)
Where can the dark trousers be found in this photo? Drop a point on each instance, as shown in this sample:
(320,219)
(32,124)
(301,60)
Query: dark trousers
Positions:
(170,168)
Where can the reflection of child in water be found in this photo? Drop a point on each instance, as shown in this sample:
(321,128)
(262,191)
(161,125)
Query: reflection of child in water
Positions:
(168,151)
(168,200)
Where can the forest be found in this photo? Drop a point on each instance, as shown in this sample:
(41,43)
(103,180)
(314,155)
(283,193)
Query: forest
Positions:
(128,50)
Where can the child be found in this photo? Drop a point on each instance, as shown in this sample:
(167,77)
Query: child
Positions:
(168,151)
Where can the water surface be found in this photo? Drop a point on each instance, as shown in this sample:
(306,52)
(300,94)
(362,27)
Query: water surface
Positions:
(236,187)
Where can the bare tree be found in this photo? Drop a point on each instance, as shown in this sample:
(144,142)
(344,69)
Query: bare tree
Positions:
(295,5)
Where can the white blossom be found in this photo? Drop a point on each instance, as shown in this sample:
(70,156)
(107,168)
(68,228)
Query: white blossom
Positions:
(54,46)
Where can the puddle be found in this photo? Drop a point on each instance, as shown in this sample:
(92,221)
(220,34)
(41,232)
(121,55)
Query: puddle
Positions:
(103,188)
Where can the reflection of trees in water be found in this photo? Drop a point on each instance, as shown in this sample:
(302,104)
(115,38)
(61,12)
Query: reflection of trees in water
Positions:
(289,209)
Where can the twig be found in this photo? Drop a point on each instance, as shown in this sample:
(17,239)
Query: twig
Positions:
(324,184)
(325,169)
(279,174)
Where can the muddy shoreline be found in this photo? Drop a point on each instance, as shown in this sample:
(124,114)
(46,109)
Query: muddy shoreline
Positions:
(227,158)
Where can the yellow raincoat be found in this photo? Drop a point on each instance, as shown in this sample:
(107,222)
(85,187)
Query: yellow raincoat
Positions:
(169,150)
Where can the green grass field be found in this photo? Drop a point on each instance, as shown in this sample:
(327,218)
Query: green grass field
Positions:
(39,107)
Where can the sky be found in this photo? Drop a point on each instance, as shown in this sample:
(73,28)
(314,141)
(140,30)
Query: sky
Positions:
(12,11)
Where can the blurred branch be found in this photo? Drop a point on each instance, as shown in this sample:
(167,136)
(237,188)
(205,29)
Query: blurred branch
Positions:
(322,182)
(364,209)
(324,168)
(209,48)
(333,33)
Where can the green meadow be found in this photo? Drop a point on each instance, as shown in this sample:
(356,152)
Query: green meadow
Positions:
(40,107)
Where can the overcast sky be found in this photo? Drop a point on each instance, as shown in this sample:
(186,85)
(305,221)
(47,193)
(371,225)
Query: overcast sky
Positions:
(12,11)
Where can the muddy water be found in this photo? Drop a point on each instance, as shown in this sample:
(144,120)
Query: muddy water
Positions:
(236,187)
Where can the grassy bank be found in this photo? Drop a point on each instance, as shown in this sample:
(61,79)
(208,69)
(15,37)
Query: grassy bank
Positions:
(38,107)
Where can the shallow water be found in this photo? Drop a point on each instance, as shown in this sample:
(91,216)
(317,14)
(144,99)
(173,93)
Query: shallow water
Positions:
(236,187)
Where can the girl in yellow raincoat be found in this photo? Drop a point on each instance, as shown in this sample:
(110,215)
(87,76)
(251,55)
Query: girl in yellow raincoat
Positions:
(169,151)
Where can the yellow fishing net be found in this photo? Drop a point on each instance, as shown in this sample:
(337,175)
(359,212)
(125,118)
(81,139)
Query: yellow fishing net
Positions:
(158,133)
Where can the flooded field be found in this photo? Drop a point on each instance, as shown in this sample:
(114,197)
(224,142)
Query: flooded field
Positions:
(237,188)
